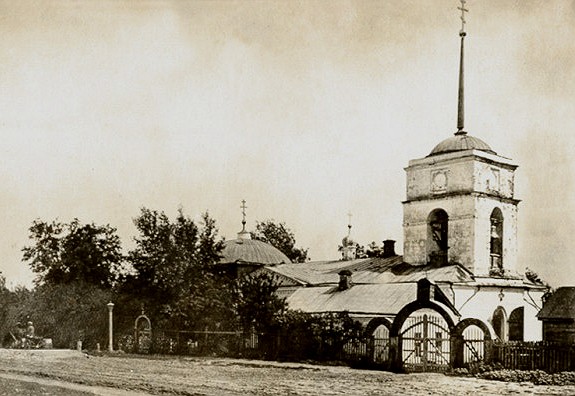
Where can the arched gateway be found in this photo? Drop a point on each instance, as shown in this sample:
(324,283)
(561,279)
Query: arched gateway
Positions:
(421,331)
(426,335)
(142,333)
(471,342)
(377,334)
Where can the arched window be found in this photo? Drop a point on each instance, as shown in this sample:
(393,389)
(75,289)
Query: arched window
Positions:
(516,324)
(496,240)
(437,232)
(499,323)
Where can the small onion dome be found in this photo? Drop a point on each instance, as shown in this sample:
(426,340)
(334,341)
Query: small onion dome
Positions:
(461,142)
(252,251)
(347,241)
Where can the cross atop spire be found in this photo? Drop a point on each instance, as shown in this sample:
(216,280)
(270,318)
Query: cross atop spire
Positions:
(462,17)
(460,101)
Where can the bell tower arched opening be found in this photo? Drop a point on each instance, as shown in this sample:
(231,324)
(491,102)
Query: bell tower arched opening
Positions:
(437,237)
(496,240)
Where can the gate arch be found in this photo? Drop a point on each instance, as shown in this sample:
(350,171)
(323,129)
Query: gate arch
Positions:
(417,305)
(375,323)
(471,342)
(142,334)
(377,334)
(425,344)
(462,325)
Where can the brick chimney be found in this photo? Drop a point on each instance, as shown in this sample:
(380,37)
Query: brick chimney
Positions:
(344,279)
(388,248)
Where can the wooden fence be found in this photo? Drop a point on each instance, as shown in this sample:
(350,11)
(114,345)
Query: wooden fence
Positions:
(547,356)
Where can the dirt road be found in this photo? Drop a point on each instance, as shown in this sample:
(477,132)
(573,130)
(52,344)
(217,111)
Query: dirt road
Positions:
(212,376)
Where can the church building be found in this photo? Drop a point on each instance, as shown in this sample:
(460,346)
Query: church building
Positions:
(458,283)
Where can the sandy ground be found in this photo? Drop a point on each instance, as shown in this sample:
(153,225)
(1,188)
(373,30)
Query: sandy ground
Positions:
(129,375)
(15,384)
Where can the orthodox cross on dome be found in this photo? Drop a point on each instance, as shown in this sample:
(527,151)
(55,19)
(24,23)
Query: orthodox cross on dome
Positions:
(243,208)
(243,234)
(460,102)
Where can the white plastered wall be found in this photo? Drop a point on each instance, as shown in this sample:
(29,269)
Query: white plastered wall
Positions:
(480,302)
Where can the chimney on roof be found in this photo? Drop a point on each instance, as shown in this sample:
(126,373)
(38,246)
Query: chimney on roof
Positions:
(344,279)
(389,248)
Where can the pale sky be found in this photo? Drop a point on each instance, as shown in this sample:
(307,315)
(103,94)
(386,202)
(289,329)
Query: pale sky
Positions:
(305,109)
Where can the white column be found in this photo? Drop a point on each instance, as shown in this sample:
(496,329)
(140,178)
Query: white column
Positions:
(110,306)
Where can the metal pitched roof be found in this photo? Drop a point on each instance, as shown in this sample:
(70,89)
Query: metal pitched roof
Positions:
(370,271)
(382,299)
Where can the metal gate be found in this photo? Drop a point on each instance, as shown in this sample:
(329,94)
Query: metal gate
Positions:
(425,342)
(381,345)
(473,344)
(142,334)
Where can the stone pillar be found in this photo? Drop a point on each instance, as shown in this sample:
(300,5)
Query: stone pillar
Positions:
(395,354)
(457,346)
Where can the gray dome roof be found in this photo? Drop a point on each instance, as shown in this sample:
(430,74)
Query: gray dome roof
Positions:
(461,142)
(252,251)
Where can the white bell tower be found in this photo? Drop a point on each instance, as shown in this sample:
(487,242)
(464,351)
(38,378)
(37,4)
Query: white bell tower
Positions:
(460,205)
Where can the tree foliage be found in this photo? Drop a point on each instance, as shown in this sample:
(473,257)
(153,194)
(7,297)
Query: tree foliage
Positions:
(65,253)
(71,312)
(10,310)
(256,302)
(281,237)
(173,276)
(317,337)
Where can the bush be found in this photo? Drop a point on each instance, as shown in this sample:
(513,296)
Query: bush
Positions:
(126,343)
(537,377)
(317,337)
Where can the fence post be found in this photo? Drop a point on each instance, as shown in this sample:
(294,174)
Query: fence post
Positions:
(488,350)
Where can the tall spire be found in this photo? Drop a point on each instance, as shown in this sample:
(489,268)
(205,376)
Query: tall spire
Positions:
(460,101)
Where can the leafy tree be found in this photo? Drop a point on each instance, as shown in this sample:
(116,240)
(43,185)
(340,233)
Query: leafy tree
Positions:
(71,312)
(256,302)
(281,237)
(10,310)
(64,253)
(16,312)
(172,265)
